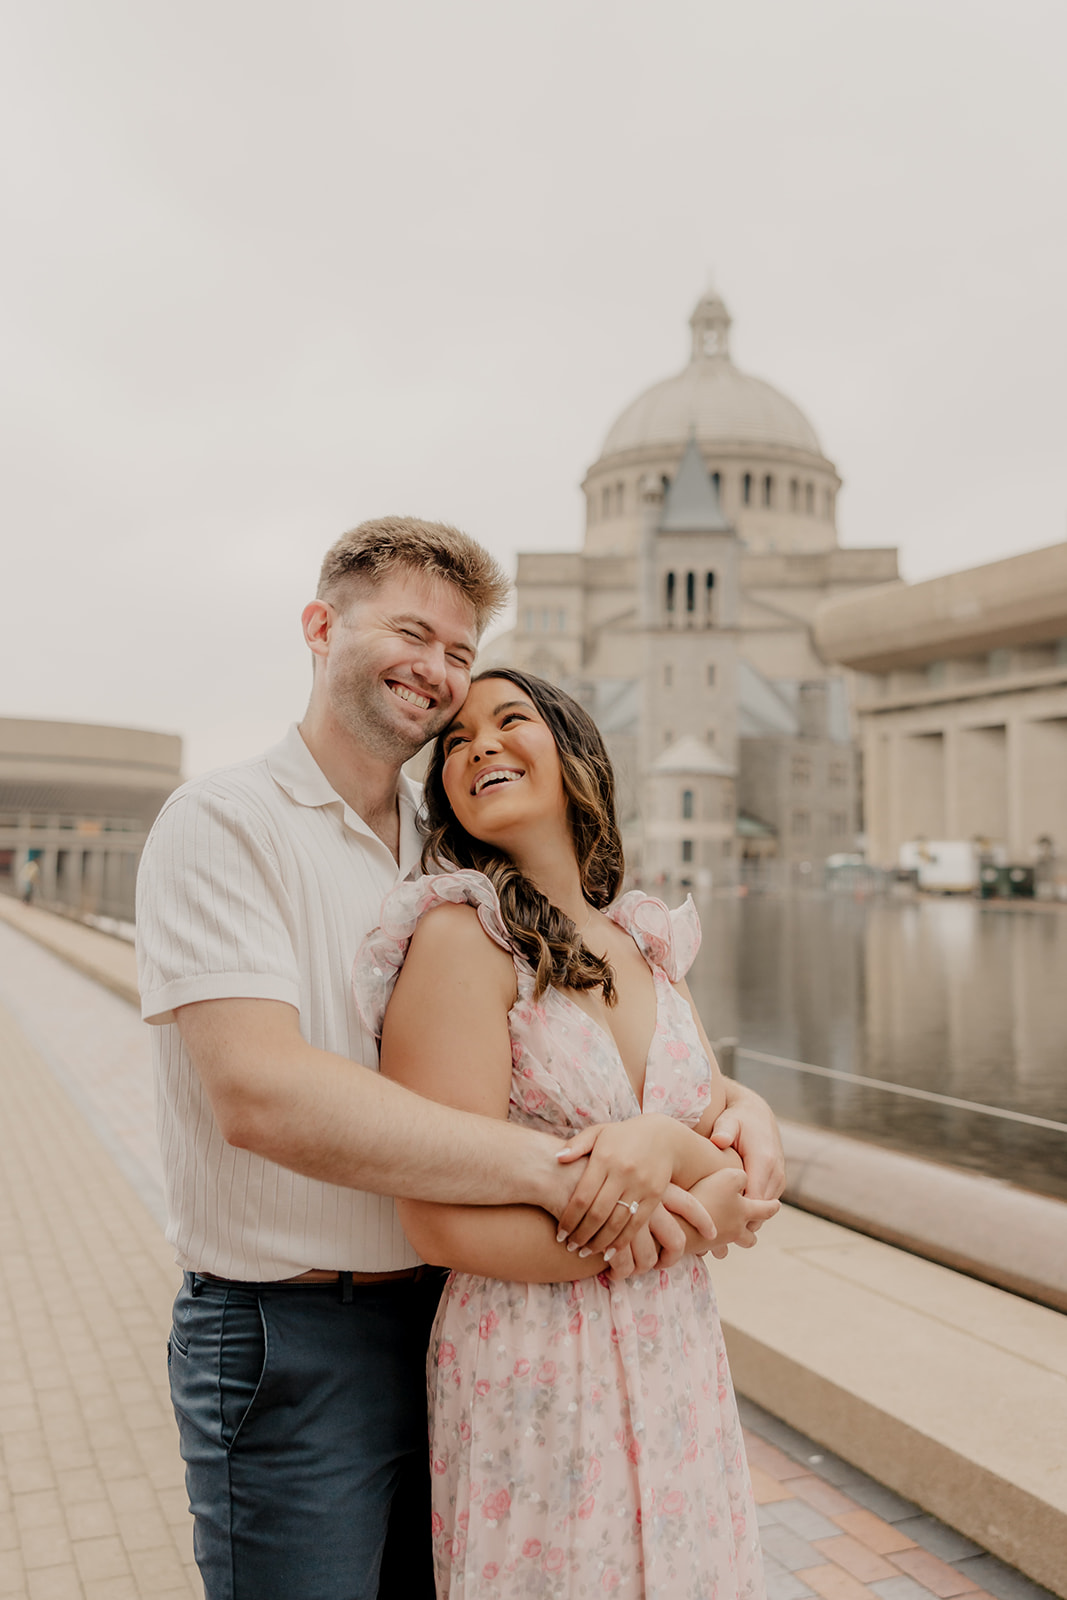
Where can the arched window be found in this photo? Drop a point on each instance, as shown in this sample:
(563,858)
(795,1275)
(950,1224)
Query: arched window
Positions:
(794,495)
(711,675)
(768,490)
(687,849)
(746,489)
(605,501)
(690,592)
(709,598)
(687,805)
(716,479)
(561,621)
(809,498)
(528,619)
(827,503)
(668,675)
(620,498)
(670,594)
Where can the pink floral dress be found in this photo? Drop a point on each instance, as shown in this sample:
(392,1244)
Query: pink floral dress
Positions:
(584,1439)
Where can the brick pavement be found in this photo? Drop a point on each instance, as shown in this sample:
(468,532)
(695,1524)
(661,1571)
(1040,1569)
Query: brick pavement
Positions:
(92,1504)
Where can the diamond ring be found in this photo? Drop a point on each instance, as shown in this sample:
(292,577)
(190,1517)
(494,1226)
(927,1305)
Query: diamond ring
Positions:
(632,1206)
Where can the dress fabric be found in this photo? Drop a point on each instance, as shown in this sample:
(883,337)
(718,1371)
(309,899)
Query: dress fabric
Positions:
(584,1438)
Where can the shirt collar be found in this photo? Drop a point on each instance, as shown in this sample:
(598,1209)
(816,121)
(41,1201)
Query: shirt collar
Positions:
(294,769)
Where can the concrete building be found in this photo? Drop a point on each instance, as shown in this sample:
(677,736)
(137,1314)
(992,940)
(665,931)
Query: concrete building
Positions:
(961,696)
(684,623)
(79,800)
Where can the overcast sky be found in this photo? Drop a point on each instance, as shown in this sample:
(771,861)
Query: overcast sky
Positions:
(273,268)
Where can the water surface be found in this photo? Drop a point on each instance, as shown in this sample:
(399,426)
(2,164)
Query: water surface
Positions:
(949,995)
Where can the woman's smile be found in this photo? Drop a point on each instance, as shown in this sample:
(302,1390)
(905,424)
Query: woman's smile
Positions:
(500,745)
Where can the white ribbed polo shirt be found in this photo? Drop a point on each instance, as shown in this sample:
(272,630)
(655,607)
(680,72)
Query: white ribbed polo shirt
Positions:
(258,881)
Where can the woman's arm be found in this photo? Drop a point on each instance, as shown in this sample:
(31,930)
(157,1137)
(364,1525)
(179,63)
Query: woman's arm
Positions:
(446,1037)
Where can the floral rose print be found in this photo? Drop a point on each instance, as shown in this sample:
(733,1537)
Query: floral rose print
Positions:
(584,1437)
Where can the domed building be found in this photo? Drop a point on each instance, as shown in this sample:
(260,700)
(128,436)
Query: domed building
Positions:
(773,482)
(685,622)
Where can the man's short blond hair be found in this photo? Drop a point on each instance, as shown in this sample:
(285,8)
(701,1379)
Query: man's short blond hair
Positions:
(375,550)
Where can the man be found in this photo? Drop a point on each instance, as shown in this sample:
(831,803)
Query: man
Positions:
(299,1336)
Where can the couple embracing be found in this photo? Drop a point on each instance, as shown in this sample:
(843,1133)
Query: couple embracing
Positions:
(547,1122)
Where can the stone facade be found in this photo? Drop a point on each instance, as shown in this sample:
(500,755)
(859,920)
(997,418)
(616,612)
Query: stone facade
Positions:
(962,703)
(685,622)
(79,800)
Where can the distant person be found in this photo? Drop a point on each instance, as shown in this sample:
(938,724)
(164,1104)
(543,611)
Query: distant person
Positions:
(584,1434)
(29,880)
(298,1347)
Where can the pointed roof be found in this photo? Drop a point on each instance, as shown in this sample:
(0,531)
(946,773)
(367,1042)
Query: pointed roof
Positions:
(691,504)
(687,755)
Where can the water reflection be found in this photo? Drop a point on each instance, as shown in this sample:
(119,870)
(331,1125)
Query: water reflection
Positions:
(947,995)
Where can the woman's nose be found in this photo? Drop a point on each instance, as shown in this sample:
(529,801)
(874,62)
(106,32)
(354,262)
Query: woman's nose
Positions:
(485,744)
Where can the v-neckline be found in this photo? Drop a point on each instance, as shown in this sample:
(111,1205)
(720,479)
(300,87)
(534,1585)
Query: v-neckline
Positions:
(568,999)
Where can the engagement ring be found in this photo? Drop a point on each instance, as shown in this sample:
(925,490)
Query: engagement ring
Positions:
(631,1206)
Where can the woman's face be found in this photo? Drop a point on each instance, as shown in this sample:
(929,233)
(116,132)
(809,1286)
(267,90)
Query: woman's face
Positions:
(501,769)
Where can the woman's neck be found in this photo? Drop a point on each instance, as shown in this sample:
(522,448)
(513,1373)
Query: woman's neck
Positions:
(554,871)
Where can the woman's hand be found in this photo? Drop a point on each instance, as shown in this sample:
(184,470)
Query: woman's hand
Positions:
(628,1161)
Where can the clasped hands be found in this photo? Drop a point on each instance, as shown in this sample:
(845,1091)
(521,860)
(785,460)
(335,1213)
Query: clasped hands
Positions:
(693,1194)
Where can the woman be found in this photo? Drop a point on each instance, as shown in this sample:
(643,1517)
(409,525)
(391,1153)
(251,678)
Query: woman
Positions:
(584,1436)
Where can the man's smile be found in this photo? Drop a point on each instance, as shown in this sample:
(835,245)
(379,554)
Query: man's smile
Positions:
(403,692)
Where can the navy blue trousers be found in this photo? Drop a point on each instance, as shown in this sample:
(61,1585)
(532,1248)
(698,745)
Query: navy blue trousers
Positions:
(304,1435)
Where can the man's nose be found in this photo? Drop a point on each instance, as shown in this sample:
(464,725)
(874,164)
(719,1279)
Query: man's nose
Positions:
(431,664)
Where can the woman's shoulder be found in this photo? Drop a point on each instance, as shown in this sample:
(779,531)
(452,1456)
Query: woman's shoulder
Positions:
(454,914)
(666,938)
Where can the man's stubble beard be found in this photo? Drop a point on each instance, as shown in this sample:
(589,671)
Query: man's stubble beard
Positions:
(365,717)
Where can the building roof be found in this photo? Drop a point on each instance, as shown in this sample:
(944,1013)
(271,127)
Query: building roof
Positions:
(689,756)
(1021,600)
(691,504)
(713,398)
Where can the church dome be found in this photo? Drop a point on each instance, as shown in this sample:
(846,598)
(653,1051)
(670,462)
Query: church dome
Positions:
(713,398)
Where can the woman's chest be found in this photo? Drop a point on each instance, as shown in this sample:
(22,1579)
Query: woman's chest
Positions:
(567,1068)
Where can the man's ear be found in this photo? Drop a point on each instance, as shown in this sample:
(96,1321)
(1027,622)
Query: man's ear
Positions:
(317,619)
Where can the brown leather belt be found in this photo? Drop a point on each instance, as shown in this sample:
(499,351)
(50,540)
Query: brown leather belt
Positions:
(321,1275)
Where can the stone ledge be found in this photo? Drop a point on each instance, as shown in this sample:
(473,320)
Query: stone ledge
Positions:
(951,1392)
(982,1226)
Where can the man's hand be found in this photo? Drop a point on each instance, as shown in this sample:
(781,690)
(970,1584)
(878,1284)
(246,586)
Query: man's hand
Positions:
(748,1125)
(738,1216)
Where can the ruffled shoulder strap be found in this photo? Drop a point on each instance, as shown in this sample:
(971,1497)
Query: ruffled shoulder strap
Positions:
(667,939)
(381,955)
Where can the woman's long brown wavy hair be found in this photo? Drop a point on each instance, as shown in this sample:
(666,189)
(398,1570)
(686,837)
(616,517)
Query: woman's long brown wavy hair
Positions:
(549,940)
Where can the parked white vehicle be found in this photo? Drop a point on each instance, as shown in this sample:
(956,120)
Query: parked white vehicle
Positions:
(944,866)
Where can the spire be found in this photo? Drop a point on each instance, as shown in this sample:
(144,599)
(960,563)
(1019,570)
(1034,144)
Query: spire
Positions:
(692,504)
(710,323)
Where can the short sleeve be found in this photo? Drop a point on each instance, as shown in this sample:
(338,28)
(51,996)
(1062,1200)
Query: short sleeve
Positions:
(667,939)
(381,955)
(213,916)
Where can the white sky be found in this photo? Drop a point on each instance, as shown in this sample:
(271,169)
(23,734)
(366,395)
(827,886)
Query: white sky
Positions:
(273,268)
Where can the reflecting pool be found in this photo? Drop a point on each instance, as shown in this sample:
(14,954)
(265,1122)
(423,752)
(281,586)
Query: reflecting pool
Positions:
(948,995)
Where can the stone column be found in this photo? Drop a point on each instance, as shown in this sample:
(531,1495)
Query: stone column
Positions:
(1015,755)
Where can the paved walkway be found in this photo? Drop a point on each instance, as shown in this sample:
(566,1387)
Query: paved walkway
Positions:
(92,1505)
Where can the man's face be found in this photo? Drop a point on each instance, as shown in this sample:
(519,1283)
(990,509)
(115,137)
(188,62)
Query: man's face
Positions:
(399,662)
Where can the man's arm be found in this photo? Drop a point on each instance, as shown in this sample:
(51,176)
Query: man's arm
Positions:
(749,1126)
(333,1119)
